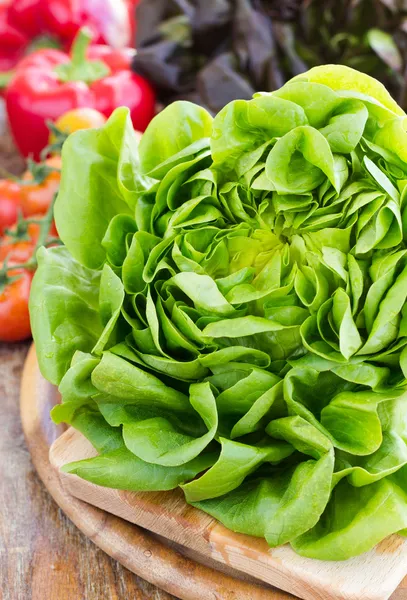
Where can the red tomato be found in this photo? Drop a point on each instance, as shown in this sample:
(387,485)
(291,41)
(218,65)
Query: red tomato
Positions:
(10,198)
(14,314)
(36,197)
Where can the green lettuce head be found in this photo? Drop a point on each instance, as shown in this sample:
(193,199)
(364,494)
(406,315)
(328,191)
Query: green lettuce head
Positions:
(229,311)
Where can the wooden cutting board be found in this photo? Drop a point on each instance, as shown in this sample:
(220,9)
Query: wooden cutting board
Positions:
(185,551)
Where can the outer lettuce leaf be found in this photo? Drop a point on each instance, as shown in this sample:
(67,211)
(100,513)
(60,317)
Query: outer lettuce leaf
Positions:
(89,421)
(103,161)
(76,385)
(67,293)
(236,461)
(279,508)
(123,470)
(117,377)
(111,297)
(356,519)
(158,441)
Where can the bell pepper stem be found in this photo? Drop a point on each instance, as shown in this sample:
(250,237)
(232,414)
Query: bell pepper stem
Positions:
(80,68)
(80,46)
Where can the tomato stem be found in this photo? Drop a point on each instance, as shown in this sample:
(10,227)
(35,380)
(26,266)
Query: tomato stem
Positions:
(58,138)
(6,278)
(19,233)
(31,264)
(39,172)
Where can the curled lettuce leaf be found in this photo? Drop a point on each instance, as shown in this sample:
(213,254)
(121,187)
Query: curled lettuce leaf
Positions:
(229,312)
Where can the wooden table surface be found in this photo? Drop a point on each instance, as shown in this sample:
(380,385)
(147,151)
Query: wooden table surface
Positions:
(42,554)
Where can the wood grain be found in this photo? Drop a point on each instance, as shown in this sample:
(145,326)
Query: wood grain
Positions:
(43,556)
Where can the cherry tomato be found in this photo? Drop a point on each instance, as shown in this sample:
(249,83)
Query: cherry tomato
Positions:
(14,314)
(79,118)
(10,198)
(36,197)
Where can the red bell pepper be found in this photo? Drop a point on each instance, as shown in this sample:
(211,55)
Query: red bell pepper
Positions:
(108,20)
(49,82)
(12,41)
(26,16)
(27,24)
